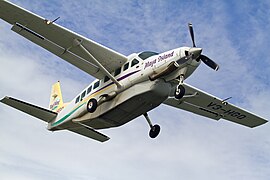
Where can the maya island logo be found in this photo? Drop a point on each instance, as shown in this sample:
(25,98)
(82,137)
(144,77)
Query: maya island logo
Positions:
(55,104)
(159,59)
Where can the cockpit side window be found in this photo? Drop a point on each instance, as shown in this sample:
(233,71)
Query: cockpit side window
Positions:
(134,62)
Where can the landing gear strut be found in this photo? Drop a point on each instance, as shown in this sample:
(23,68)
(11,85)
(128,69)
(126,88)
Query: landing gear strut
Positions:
(180,90)
(154,129)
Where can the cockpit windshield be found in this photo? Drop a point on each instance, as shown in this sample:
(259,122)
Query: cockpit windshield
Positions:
(146,54)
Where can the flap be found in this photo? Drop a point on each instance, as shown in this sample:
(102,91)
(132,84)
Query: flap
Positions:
(33,110)
(192,108)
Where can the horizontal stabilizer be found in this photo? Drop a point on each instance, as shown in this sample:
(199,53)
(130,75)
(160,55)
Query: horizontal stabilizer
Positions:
(90,133)
(33,110)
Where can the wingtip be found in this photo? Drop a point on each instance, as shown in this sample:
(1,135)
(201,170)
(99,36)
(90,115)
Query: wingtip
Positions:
(105,140)
(262,123)
(3,99)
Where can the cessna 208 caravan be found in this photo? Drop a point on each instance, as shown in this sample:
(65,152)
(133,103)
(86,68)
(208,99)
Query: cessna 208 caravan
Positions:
(126,86)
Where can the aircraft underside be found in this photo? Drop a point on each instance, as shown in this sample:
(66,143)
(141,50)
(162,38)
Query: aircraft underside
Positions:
(135,101)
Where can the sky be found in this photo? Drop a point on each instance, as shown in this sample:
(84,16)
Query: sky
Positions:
(233,33)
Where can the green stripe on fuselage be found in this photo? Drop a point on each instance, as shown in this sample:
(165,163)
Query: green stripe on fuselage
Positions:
(98,91)
(66,116)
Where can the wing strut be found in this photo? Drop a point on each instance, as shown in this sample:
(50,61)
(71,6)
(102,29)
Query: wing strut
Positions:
(78,42)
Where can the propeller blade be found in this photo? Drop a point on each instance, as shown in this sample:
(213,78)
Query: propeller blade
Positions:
(191,34)
(209,62)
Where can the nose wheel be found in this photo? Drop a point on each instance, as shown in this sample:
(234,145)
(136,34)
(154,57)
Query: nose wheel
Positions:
(180,90)
(154,129)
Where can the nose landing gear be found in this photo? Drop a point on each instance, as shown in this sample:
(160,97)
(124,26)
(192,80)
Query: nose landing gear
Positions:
(154,129)
(180,90)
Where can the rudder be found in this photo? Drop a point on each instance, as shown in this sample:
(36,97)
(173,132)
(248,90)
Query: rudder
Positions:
(56,100)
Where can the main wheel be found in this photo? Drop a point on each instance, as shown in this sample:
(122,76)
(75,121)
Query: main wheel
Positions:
(179,92)
(154,131)
(92,105)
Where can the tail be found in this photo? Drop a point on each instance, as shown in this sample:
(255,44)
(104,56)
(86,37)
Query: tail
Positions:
(56,100)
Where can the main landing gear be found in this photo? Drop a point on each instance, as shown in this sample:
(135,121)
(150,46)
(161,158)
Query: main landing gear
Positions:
(154,129)
(92,105)
(180,90)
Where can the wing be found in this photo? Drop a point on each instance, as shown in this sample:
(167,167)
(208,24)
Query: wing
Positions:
(33,110)
(204,104)
(61,41)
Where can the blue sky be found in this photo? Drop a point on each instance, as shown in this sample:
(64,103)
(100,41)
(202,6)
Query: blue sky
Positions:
(233,33)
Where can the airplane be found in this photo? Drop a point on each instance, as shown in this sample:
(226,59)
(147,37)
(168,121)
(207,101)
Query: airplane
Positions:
(125,88)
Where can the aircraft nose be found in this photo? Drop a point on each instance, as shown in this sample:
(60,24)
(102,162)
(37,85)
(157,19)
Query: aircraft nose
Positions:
(196,52)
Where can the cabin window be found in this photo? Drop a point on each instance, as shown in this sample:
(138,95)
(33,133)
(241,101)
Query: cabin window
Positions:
(134,62)
(96,84)
(83,95)
(77,99)
(106,78)
(126,66)
(89,89)
(117,71)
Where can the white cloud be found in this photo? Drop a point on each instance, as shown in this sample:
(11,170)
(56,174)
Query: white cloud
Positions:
(189,147)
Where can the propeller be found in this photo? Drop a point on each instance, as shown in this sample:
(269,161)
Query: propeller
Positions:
(209,62)
(201,57)
(191,34)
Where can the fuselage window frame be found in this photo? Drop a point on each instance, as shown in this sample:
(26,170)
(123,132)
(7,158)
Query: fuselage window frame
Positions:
(126,66)
(89,89)
(96,85)
(77,99)
(83,95)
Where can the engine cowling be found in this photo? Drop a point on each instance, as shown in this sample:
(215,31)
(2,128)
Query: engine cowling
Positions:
(168,70)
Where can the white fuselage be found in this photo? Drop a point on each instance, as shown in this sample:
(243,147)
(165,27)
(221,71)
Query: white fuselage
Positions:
(137,95)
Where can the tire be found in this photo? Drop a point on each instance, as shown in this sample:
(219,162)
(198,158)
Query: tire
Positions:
(179,92)
(92,105)
(154,131)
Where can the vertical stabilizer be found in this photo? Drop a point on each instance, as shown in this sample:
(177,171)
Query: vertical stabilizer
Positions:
(56,100)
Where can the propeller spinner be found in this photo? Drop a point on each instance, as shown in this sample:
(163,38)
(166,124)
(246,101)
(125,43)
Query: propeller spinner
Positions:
(197,51)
